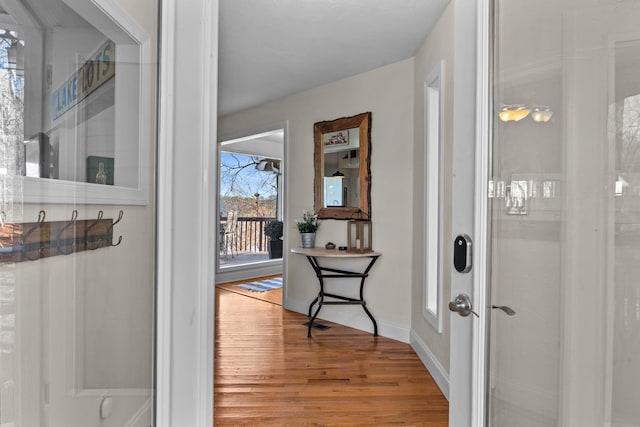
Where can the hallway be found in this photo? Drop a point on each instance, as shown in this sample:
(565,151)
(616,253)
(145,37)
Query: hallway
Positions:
(267,372)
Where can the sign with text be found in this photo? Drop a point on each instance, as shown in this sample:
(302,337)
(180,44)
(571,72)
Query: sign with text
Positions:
(93,73)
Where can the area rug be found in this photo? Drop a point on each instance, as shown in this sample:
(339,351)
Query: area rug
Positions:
(262,285)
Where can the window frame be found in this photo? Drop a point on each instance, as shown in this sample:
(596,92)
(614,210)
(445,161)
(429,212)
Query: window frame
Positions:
(432,307)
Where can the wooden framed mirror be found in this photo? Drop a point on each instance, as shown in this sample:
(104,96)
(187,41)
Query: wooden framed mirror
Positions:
(342,165)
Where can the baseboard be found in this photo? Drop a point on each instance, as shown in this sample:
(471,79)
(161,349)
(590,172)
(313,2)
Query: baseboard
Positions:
(359,321)
(437,371)
(250,271)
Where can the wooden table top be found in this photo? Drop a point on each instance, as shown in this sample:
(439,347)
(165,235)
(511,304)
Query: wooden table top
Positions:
(332,253)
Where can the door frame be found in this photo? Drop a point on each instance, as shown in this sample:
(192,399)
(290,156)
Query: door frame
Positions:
(186,152)
(472,99)
(262,268)
(482,272)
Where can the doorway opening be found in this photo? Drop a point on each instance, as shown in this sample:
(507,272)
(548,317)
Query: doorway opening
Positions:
(250,199)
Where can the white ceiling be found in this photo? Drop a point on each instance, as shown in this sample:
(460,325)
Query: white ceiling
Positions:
(273,48)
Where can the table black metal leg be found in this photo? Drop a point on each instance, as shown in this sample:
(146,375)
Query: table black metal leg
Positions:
(336,273)
(311,306)
(375,325)
(319,299)
(364,304)
(314,317)
(364,307)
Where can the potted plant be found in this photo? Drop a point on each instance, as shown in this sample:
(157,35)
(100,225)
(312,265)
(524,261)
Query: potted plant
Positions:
(273,230)
(307,226)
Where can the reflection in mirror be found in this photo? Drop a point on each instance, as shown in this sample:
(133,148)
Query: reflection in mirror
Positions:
(342,166)
(70,90)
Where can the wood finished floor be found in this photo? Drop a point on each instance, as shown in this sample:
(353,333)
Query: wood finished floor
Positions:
(268,373)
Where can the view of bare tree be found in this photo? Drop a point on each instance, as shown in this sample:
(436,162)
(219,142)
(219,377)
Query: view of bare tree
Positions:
(628,134)
(247,187)
(11,110)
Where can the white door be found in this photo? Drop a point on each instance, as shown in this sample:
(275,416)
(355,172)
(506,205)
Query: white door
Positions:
(563,220)
(467,352)
(77,86)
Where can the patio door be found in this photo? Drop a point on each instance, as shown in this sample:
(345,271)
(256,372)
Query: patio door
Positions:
(251,205)
(564,215)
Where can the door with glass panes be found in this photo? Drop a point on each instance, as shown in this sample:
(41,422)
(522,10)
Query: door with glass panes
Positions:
(563,196)
(77,229)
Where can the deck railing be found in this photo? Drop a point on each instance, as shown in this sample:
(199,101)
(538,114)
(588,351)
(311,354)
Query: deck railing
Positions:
(248,235)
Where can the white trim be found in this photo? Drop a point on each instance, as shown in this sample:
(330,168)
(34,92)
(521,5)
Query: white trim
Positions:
(245,152)
(250,271)
(185,195)
(208,244)
(430,361)
(248,137)
(481,217)
(284,209)
(112,20)
(254,133)
(164,180)
(434,201)
(462,201)
(263,268)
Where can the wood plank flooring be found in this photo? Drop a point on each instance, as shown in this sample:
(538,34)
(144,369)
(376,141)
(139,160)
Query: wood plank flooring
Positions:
(268,373)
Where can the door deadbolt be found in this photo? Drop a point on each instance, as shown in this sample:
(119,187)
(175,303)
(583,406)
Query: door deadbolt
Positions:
(462,253)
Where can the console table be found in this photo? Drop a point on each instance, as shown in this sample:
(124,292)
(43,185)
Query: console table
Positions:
(322,273)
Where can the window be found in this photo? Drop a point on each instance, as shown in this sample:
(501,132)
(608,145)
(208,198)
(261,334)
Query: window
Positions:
(433,184)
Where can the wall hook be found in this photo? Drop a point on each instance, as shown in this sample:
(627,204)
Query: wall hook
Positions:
(74,217)
(120,215)
(25,237)
(86,233)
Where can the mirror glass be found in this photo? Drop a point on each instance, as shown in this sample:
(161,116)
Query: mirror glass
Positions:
(71,80)
(342,166)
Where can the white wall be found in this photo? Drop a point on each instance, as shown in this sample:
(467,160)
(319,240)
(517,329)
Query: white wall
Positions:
(425,338)
(388,93)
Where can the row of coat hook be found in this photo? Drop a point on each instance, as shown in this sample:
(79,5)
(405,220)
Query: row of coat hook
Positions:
(33,241)
(110,229)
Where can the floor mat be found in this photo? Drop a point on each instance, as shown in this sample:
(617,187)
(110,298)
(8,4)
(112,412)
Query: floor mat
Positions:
(262,285)
(274,296)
